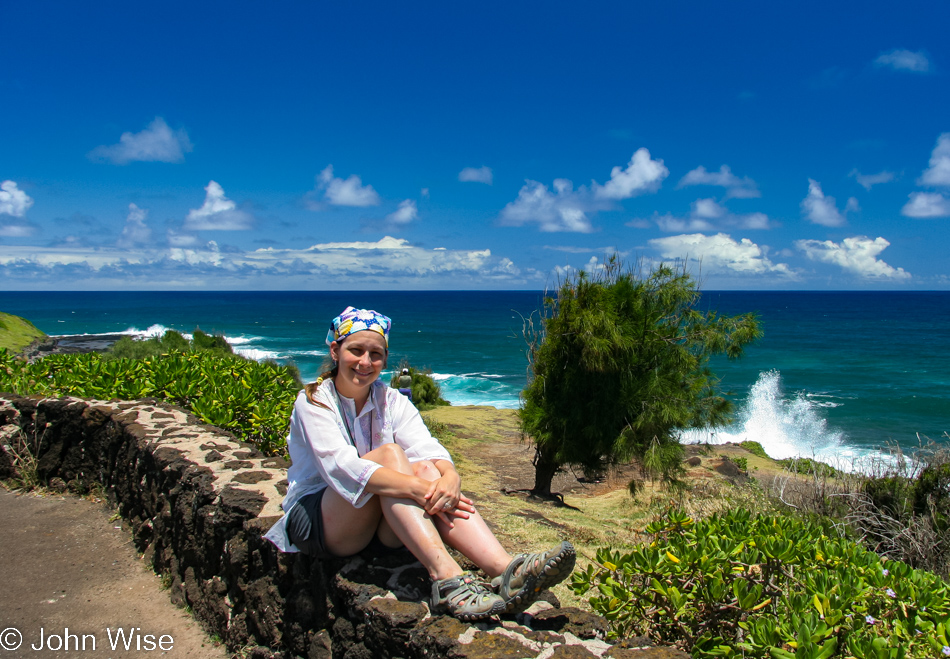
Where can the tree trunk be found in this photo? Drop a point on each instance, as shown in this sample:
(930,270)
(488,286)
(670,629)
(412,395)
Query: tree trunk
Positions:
(544,469)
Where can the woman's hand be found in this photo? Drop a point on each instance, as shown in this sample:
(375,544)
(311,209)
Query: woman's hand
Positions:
(444,498)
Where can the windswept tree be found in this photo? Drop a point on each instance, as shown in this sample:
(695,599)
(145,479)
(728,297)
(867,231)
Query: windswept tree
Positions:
(620,365)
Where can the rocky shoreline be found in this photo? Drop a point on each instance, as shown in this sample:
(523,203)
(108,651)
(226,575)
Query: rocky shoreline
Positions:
(70,344)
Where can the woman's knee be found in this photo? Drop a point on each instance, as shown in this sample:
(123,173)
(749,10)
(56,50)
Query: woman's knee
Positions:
(426,470)
(389,455)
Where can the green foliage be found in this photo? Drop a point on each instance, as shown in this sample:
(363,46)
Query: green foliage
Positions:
(620,365)
(754,448)
(907,511)
(808,467)
(426,392)
(252,400)
(172,341)
(742,463)
(216,343)
(743,585)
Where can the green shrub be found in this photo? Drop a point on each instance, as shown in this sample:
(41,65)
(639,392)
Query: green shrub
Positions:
(808,467)
(172,341)
(738,585)
(742,463)
(892,494)
(216,343)
(905,510)
(754,448)
(426,392)
(251,399)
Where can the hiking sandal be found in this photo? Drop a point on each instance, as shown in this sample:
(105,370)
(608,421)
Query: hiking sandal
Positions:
(466,598)
(528,574)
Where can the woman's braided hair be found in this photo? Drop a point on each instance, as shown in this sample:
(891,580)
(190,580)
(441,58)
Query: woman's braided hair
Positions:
(311,387)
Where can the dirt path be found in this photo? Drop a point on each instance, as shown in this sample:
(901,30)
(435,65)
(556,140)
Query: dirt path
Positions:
(66,564)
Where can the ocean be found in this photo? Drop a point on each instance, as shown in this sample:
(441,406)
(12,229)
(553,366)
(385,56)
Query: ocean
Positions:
(838,375)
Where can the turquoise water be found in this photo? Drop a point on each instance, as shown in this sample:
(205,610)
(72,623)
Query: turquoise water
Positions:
(837,374)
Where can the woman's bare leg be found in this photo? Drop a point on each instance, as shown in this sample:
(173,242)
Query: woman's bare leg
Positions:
(347,529)
(471,535)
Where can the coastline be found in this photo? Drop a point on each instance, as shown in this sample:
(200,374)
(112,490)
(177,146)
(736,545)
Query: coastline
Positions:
(69,344)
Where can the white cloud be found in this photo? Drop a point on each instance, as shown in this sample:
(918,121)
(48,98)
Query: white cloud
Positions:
(857,255)
(387,263)
(562,210)
(345,192)
(13,201)
(868,181)
(641,175)
(217,213)
(576,249)
(740,188)
(705,215)
(938,174)
(16,228)
(135,232)
(753,221)
(819,209)
(566,209)
(903,60)
(671,223)
(476,175)
(926,204)
(424,193)
(406,213)
(157,143)
(719,253)
(176,239)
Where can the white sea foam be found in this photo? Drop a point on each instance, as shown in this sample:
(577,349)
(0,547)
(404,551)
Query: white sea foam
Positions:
(256,353)
(310,353)
(785,426)
(152,331)
(477,389)
(242,340)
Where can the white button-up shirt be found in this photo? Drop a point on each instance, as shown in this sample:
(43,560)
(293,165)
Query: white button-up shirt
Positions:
(323,455)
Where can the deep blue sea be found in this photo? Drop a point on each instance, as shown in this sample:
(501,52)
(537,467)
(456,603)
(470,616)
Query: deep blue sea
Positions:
(837,375)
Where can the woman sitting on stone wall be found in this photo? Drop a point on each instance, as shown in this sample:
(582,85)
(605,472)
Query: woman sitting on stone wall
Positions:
(366,471)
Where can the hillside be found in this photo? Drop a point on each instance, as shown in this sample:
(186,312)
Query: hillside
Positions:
(17,333)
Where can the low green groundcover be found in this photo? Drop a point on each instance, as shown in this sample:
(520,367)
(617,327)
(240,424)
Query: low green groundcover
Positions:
(743,585)
(248,398)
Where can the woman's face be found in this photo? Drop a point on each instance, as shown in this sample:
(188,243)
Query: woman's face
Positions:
(361,358)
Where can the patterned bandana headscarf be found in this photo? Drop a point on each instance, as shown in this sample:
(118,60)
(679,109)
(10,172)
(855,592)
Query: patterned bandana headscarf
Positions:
(356,320)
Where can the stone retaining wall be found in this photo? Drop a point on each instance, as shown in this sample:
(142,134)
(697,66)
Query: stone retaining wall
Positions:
(198,502)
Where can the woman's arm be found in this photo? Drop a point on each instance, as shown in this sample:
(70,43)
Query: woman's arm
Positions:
(315,429)
(391,483)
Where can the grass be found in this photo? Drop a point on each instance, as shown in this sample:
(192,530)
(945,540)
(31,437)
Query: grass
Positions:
(596,516)
(25,462)
(17,333)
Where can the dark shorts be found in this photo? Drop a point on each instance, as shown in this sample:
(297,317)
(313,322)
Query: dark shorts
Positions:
(305,525)
(305,529)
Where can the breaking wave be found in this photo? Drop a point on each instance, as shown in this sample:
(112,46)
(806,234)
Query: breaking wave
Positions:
(786,426)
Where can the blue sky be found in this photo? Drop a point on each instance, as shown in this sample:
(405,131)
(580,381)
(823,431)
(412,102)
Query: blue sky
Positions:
(371,145)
